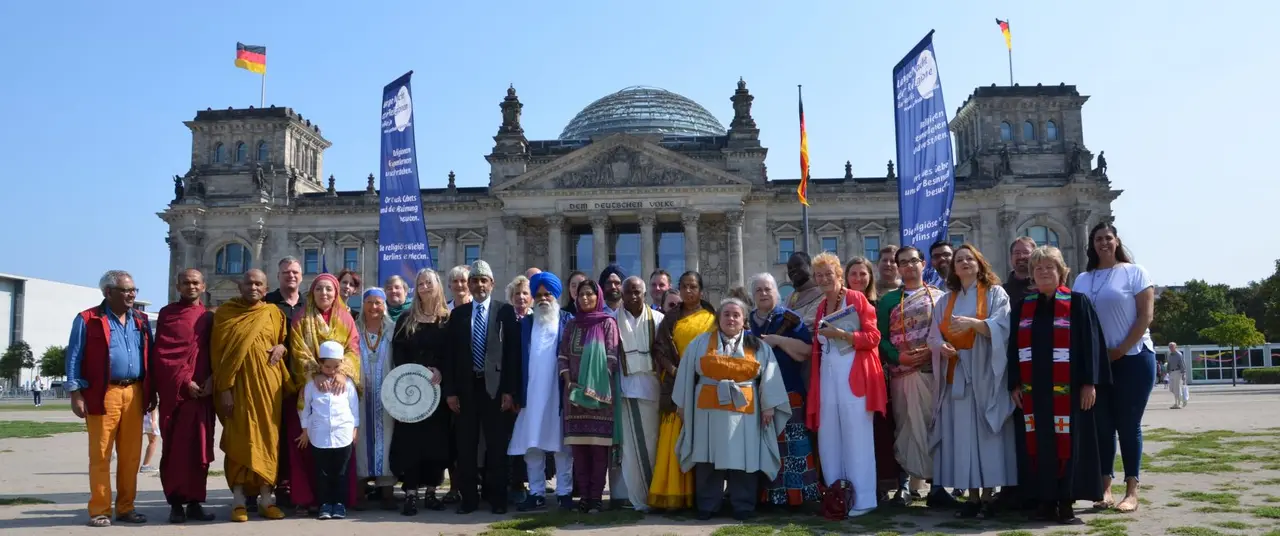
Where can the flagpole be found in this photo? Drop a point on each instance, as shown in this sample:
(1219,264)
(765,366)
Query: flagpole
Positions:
(1010,47)
(804,207)
(262,96)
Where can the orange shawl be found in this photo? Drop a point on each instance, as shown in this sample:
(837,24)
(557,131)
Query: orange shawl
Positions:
(866,378)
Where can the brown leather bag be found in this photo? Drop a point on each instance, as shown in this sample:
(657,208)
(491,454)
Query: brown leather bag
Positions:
(837,499)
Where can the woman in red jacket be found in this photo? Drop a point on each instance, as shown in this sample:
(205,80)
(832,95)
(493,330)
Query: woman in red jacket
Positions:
(846,384)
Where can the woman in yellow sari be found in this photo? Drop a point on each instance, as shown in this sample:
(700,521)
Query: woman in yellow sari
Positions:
(672,489)
(325,318)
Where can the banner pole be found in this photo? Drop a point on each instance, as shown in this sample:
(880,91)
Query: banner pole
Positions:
(262,95)
(804,215)
(1011,67)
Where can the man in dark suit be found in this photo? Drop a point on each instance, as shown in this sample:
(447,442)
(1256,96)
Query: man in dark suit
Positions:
(484,345)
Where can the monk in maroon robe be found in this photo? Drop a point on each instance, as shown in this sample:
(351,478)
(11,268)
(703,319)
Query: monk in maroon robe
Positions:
(182,380)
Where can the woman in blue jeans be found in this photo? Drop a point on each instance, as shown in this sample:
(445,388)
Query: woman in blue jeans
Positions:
(1124,297)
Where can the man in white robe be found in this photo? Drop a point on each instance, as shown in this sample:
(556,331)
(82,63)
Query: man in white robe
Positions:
(537,430)
(637,325)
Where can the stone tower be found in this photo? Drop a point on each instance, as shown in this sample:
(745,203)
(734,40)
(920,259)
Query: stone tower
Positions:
(254,155)
(1004,132)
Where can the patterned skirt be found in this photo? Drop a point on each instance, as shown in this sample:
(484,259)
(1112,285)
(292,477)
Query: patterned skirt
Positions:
(797,481)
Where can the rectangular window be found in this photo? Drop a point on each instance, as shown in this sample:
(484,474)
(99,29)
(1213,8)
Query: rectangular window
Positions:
(581,249)
(956,240)
(624,244)
(434,251)
(871,248)
(786,247)
(670,249)
(471,253)
(351,258)
(832,244)
(311,261)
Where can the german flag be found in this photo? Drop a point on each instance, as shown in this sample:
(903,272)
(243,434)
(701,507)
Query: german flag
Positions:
(1004,29)
(251,58)
(803,190)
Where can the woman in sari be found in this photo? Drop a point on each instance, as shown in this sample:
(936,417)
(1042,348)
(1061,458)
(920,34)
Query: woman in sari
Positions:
(373,446)
(788,337)
(397,296)
(588,366)
(972,434)
(325,318)
(420,451)
(859,275)
(672,488)
(846,385)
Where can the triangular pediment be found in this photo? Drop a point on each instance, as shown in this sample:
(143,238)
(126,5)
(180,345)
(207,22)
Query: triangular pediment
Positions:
(622,161)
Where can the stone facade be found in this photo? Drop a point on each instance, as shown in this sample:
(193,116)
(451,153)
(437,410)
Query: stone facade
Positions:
(269,201)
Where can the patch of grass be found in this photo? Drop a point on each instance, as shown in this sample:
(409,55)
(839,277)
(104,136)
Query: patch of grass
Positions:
(1173,504)
(765,530)
(1271,467)
(216,472)
(1016,533)
(1195,531)
(6,451)
(34,429)
(524,523)
(1064,533)
(1269,512)
(1200,468)
(1230,486)
(1236,525)
(1217,509)
(1270,499)
(20,501)
(1108,526)
(1220,499)
(1267,482)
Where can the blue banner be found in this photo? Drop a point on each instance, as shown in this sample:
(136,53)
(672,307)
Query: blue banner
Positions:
(402,229)
(926,174)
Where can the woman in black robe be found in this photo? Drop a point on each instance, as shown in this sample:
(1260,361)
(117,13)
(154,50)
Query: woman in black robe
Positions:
(421,451)
(1059,397)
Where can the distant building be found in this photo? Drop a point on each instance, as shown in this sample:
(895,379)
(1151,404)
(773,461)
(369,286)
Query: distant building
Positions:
(40,312)
(643,177)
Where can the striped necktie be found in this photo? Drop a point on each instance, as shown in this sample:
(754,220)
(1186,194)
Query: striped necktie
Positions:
(478,330)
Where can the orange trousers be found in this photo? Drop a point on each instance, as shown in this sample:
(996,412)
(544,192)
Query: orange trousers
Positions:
(120,427)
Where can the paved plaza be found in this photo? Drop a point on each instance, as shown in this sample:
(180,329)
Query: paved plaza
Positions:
(1240,497)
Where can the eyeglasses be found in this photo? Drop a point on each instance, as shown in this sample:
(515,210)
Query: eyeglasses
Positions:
(122,290)
(908,262)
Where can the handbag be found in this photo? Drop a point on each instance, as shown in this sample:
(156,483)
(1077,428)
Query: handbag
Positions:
(837,499)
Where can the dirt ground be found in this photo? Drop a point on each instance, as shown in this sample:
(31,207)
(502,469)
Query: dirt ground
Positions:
(1212,468)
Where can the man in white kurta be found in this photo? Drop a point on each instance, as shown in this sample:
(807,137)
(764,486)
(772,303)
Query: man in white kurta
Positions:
(731,421)
(537,430)
(638,413)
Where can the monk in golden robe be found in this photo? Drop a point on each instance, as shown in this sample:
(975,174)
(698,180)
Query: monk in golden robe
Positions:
(246,352)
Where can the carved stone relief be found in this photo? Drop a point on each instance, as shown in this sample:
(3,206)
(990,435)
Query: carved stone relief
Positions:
(713,242)
(621,167)
(535,244)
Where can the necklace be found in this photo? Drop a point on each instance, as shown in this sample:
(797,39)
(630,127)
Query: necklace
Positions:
(373,339)
(1093,280)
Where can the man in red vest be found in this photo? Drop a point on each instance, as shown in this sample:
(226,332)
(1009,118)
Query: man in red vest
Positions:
(107,374)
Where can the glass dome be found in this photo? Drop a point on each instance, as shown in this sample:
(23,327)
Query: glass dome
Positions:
(641,109)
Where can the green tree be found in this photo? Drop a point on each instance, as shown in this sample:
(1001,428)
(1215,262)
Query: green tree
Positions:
(16,358)
(1181,314)
(1236,331)
(53,363)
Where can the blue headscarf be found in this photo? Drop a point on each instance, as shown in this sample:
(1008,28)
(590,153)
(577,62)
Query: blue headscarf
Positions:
(375,291)
(545,279)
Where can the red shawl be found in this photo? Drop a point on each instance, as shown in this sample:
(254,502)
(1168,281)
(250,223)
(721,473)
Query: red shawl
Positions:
(181,351)
(866,378)
(1061,376)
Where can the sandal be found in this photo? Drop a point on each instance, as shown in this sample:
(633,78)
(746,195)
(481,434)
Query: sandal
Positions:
(100,521)
(240,514)
(131,516)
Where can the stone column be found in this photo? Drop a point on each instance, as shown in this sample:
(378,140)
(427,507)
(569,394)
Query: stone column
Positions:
(331,249)
(737,277)
(691,247)
(852,242)
(599,242)
(648,246)
(448,251)
(174,268)
(1008,218)
(514,226)
(555,245)
(259,237)
(893,232)
(194,239)
(1080,219)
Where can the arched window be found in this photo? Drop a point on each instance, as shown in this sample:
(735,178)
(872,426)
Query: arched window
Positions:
(1028,131)
(217,154)
(242,152)
(1043,236)
(232,258)
(1051,131)
(1006,131)
(264,153)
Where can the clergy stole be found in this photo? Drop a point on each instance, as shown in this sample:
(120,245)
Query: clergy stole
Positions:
(637,344)
(1061,374)
(727,381)
(965,340)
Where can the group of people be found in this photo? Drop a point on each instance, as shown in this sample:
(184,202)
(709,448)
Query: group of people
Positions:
(865,385)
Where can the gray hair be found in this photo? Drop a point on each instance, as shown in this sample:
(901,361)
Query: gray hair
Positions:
(460,271)
(287,261)
(394,279)
(112,279)
(515,284)
(644,287)
(766,277)
(733,301)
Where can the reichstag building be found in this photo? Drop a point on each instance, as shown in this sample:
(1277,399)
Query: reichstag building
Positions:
(643,177)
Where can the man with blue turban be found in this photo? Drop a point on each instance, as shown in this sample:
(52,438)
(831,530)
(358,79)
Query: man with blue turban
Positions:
(611,286)
(537,431)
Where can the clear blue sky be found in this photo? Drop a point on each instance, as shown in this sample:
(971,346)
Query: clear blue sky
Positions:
(93,98)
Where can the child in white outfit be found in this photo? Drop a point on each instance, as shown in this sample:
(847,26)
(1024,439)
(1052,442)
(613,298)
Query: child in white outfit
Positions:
(330,423)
